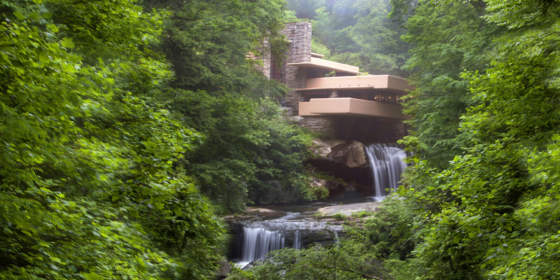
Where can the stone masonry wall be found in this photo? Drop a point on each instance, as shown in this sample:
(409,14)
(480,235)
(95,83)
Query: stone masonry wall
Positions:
(363,129)
(299,36)
(322,125)
(267,58)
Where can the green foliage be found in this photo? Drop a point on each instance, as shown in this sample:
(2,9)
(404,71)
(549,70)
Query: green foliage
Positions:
(100,172)
(390,232)
(481,197)
(331,27)
(484,213)
(318,47)
(343,261)
(357,32)
(381,49)
(88,171)
(207,41)
(305,9)
(446,38)
(249,153)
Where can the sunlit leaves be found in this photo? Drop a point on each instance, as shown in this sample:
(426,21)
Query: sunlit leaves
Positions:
(88,156)
(504,224)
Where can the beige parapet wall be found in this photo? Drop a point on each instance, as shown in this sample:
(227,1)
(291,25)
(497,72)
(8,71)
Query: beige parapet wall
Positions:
(358,82)
(349,106)
(328,65)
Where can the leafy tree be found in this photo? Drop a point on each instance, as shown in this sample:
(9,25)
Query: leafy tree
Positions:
(357,32)
(305,8)
(88,175)
(446,38)
(381,49)
(249,153)
(490,225)
(481,198)
(345,261)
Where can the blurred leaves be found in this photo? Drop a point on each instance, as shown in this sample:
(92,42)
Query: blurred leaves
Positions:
(89,182)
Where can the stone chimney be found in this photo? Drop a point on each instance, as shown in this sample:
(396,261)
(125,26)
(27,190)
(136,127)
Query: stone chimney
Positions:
(299,36)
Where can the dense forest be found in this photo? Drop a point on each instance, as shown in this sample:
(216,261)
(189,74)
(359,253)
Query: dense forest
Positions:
(357,32)
(128,129)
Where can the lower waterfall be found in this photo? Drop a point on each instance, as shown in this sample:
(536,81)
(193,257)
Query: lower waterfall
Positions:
(297,240)
(257,242)
(262,237)
(387,164)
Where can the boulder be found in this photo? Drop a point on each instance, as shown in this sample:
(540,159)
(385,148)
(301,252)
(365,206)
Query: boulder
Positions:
(348,209)
(322,148)
(352,154)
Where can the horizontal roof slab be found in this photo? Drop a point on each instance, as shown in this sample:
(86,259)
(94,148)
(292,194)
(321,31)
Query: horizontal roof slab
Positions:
(328,65)
(318,55)
(386,82)
(349,106)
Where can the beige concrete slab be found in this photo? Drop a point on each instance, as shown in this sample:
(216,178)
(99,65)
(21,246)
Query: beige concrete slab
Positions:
(349,106)
(317,55)
(386,82)
(328,65)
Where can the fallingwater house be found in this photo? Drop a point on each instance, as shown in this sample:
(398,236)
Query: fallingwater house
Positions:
(333,98)
(348,109)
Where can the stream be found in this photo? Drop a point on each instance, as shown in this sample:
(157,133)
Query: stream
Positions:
(294,230)
(300,227)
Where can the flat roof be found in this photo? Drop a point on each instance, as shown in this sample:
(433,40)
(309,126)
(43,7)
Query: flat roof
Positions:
(385,82)
(328,65)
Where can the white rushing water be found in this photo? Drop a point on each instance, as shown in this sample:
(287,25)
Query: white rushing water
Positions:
(387,164)
(297,240)
(257,242)
(262,237)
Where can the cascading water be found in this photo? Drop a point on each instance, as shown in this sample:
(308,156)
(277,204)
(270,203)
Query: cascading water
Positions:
(262,237)
(297,240)
(387,164)
(257,242)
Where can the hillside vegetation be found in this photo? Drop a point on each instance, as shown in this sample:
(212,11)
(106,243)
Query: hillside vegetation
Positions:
(127,128)
(480,199)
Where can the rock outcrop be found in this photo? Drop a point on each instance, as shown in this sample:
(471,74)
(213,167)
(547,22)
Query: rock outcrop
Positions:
(352,154)
(347,164)
(322,148)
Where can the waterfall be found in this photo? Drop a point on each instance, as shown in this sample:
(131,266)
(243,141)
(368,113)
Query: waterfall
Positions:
(262,237)
(297,240)
(387,164)
(257,242)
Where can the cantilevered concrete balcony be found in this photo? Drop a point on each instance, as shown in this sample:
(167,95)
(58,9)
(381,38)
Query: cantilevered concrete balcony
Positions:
(384,82)
(320,63)
(350,107)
